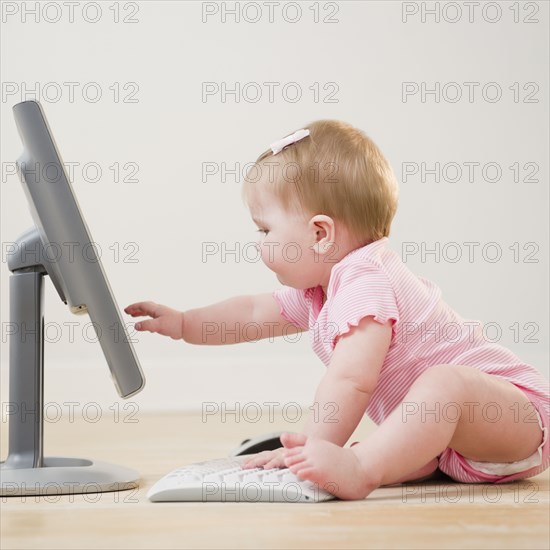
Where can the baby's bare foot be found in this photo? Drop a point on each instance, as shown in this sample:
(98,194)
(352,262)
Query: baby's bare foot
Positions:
(333,468)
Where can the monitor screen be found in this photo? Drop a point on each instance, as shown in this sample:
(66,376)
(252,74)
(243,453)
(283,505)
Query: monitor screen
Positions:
(73,263)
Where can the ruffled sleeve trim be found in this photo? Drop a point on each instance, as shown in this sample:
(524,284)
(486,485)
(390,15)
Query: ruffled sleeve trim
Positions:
(362,290)
(351,323)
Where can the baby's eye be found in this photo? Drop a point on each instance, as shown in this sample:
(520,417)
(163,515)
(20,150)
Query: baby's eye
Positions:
(266,231)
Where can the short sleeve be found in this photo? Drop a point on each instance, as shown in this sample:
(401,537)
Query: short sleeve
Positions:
(361,289)
(294,305)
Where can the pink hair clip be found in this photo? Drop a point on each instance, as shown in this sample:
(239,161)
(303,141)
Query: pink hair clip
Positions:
(278,146)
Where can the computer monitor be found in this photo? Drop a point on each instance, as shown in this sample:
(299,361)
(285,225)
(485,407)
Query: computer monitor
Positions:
(67,253)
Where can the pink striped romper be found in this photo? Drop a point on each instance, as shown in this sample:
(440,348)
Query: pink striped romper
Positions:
(373,280)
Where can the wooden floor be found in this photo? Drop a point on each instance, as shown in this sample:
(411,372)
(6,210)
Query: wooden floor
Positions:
(438,514)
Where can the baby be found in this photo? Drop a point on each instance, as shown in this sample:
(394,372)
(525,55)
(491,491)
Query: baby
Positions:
(441,395)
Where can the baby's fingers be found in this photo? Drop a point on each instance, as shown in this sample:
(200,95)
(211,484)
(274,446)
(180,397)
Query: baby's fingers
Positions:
(277,462)
(150,325)
(257,461)
(140,309)
(134,309)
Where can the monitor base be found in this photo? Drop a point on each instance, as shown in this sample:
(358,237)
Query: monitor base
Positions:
(66,476)
(26,472)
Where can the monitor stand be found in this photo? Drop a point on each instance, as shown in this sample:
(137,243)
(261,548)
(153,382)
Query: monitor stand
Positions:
(26,471)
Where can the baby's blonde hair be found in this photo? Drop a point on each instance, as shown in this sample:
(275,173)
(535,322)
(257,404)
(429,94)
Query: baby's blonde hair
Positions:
(337,171)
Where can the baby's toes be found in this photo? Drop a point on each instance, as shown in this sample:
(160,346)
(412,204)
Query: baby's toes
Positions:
(294,459)
(292,440)
(302,470)
(294,451)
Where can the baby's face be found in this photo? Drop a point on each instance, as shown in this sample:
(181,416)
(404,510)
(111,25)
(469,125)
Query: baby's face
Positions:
(286,241)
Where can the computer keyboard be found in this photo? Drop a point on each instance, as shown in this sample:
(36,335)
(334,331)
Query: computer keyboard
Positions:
(224,480)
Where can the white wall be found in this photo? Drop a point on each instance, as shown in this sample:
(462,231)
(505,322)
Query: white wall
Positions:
(170,131)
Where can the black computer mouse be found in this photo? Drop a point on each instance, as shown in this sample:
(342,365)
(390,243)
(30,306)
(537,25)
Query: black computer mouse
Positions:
(266,442)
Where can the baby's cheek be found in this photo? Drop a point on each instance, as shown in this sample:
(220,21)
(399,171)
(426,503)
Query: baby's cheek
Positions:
(269,255)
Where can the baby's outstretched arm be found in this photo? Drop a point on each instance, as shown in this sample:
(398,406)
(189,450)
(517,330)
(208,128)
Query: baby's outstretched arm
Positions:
(344,392)
(221,323)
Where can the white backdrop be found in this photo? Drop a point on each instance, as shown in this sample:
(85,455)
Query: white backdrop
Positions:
(138,96)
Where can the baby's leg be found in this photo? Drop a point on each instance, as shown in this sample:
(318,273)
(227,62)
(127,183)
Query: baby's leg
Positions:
(423,474)
(447,406)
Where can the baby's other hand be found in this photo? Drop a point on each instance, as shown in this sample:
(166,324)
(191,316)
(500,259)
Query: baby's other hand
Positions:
(267,459)
(165,320)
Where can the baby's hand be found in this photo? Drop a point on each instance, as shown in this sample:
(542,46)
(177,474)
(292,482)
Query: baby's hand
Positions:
(267,459)
(165,321)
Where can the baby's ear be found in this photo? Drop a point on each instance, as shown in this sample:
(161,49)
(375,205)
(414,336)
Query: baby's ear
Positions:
(323,233)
